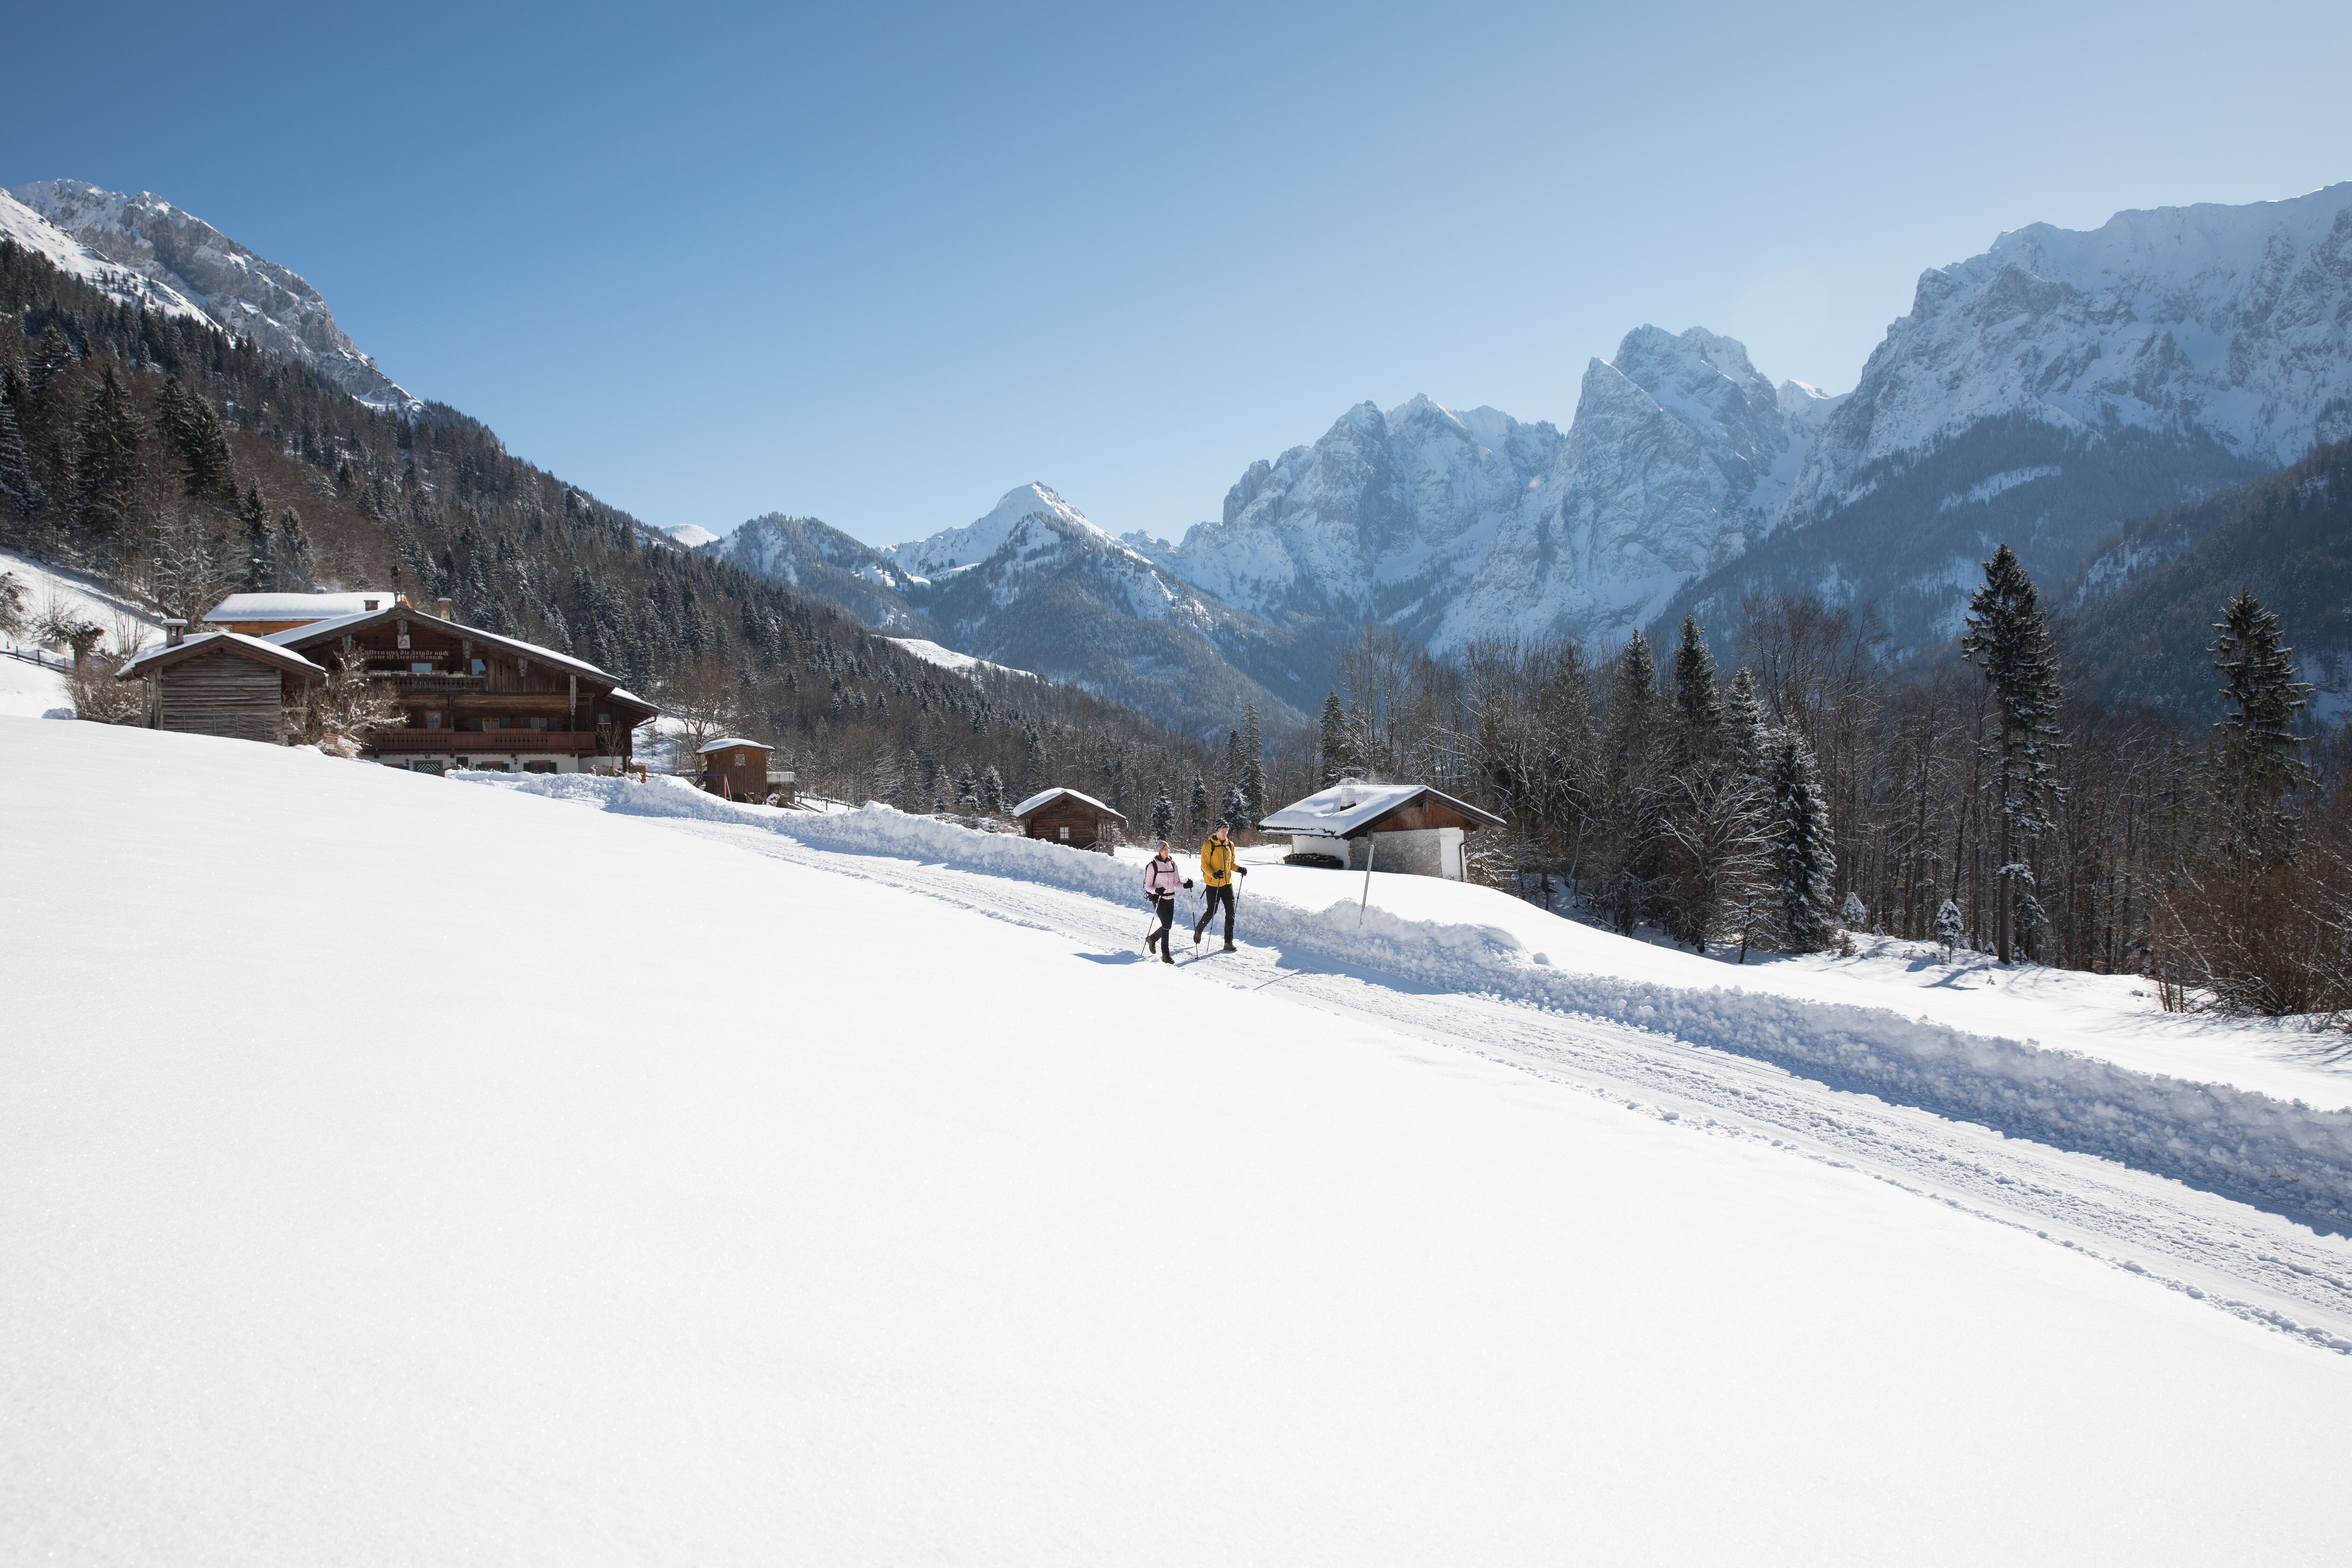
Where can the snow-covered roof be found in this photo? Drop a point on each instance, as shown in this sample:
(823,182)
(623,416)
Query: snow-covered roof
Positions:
(298,607)
(729,742)
(323,631)
(1046,797)
(1348,808)
(257,648)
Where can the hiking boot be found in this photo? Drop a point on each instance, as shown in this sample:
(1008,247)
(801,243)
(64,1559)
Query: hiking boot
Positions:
(1231,948)
(1167,957)
(1197,931)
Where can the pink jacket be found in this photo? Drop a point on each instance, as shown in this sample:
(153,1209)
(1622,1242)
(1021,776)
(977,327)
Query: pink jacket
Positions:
(1161,879)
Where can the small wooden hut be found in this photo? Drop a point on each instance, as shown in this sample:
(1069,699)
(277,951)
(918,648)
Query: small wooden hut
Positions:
(220,683)
(1066,817)
(733,768)
(1410,828)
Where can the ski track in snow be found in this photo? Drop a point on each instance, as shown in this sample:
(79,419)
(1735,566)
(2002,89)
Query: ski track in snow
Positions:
(2241,1259)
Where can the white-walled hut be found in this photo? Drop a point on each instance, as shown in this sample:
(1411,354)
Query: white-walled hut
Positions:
(1066,817)
(1409,828)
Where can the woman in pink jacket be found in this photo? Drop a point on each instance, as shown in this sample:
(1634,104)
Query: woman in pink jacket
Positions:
(1162,879)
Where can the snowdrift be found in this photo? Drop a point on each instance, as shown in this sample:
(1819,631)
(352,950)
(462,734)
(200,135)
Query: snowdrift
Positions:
(2283,1155)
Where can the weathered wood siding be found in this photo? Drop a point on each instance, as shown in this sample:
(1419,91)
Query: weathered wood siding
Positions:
(222,694)
(1085,824)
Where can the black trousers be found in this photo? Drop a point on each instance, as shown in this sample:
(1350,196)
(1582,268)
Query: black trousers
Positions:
(1166,909)
(1216,896)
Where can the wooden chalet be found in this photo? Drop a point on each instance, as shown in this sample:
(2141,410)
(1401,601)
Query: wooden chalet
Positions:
(473,699)
(1410,828)
(1066,817)
(220,683)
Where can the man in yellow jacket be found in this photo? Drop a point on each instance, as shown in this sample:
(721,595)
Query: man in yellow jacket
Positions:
(1218,869)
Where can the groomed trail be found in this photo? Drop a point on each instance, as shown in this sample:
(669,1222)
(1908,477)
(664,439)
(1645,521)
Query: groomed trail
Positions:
(2206,1239)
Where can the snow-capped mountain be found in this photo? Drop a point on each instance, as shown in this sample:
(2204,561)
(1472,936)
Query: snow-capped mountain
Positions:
(142,247)
(2058,384)
(1447,525)
(689,535)
(1036,585)
(824,563)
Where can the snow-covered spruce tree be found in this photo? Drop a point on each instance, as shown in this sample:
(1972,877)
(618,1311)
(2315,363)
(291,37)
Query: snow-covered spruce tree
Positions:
(1951,930)
(260,573)
(1631,783)
(109,463)
(1163,816)
(1234,808)
(1853,915)
(296,572)
(991,790)
(19,492)
(2257,755)
(1337,758)
(2009,640)
(967,789)
(1253,780)
(1196,810)
(1708,820)
(1802,862)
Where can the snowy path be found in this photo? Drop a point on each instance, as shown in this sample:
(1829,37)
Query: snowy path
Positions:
(2254,1265)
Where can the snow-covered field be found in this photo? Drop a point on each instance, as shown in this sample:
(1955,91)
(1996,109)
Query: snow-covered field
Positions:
(405,1170)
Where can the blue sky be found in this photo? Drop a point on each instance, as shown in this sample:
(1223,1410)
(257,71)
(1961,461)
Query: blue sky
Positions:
(878,266)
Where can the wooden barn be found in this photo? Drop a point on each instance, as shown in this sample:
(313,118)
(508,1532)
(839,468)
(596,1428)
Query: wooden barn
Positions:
(734,768)
(220,683)
(472,699)
(1066,817)
(1409,828)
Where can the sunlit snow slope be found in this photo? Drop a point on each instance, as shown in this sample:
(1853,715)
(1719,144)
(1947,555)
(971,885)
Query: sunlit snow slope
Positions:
(396,1168)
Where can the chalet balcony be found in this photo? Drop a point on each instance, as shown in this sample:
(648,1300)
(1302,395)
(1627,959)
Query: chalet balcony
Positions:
(581,743)
(409,680)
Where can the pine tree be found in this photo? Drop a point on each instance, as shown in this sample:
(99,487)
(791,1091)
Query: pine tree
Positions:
(1853,914)
(108,462)
(991,790)
(2009,640)
(291,551)
(1253,767)
(2258,753)
(1802,861)
(18,493)
(1163,816)
(260,549)
(1234,808)
(967,788)
(1337,758)
(1632,797)
(1196,815)
(1949,928)
(1699,712)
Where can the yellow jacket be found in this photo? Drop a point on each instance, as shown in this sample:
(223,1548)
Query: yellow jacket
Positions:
(1217,862)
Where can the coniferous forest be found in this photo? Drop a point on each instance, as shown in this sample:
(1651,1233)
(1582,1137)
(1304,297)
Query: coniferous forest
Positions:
(182,464)
(1776,793)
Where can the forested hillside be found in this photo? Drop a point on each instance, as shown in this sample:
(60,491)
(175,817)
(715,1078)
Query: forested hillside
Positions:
(2152,591)
(182,463)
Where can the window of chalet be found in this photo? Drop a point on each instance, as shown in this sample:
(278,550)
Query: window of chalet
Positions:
(433,720)
(420,667)
(538,722)
(480,667)
(539,767)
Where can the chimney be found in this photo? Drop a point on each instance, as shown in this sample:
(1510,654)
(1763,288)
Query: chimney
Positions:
(445,608)
(174,629)
(1348,787)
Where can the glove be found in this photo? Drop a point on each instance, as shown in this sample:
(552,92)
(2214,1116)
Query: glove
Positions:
(1188,884)
(1241,870)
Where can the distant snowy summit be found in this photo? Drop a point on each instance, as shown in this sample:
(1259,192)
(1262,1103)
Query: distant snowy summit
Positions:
(689,535)
(143,249)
